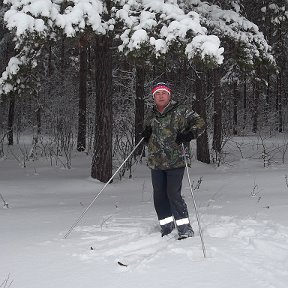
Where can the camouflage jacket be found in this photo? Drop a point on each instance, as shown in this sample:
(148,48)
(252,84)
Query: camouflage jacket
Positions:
(163,152)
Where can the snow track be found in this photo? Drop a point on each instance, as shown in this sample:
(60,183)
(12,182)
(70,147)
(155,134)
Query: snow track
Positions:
(256,249)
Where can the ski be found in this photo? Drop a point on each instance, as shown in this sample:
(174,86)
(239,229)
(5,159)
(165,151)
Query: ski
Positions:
(146,253)
(183,237)
(145,249)
(122,264)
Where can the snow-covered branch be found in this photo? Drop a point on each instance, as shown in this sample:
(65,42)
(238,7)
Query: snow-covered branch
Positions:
(161,25)
(231,26)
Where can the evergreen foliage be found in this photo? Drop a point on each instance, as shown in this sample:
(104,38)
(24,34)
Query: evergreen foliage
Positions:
(226,58)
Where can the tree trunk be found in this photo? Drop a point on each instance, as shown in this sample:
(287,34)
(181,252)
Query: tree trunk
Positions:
(38,122)
(139,105)
(256,105)
(11,120)
(236,96)
(62,60)
(102,159)
(203,153)
(281,75)
(245,103)
(279,102)
(267,98)
(81,138)
(217,135)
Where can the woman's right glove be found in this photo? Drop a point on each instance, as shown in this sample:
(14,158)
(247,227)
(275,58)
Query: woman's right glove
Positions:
(146,133)
(184,137)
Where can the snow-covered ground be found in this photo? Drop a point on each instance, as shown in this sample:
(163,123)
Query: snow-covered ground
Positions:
(243,210)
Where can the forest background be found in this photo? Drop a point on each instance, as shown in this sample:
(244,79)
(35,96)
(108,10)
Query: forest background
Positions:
(86,85)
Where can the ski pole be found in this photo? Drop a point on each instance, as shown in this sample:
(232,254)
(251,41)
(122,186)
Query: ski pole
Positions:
(194,202)
(4,202)
(88,207)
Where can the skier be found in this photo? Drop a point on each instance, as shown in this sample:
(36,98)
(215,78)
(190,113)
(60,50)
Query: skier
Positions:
(166,126)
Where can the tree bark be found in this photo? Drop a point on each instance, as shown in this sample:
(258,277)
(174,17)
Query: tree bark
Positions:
(217,135)
(245,103)
(267,98)
(139,105)
(236,96)
(256,105)
(203,153)
(10,123)
(279,103)
(81,138)
(38,121)
(102,159)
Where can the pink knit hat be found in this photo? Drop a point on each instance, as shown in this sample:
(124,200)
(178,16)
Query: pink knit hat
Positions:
(161,86)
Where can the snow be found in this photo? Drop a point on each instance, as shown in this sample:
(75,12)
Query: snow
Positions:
(23,15)
(205,46)
(243,214)
(48,19)
(174,25)
(235,27)
(138,37)
(11,69)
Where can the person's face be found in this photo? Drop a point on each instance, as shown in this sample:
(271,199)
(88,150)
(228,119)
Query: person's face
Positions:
(161,99)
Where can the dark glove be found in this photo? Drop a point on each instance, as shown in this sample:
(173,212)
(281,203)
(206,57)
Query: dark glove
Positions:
(146,133)
(184,137)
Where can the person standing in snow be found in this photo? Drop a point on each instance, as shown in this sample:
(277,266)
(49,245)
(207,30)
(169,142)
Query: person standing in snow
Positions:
(166,126)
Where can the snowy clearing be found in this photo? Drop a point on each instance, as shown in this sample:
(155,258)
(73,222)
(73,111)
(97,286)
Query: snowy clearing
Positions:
(242,206)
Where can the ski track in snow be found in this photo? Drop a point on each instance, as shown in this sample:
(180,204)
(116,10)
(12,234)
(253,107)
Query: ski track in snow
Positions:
(121,241)
(256,247)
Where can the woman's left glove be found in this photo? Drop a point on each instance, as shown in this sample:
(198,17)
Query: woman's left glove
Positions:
(146,133)
(184,137)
